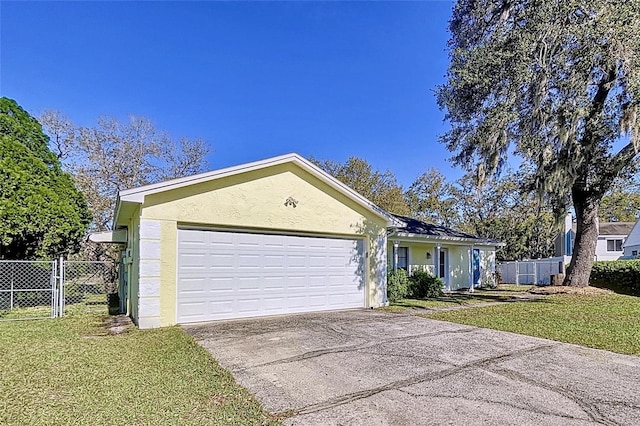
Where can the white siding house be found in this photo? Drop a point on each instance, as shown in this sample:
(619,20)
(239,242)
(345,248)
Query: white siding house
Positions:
(612,238)
(631,246)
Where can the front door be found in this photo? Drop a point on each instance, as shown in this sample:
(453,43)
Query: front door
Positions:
(443,265)
(476,267)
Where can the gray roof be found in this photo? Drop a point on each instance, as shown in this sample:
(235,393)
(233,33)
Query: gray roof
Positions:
(615,228)
(419,227)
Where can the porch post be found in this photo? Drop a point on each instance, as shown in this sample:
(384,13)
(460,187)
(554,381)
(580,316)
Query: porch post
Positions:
(437,261)
(395,255)
(471,269)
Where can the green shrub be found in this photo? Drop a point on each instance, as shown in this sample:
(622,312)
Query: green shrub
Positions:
(617,274)
(423,285)
(397,285)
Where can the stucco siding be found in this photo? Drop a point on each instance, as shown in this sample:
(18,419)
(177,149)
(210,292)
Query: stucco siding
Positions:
(417,253)
(252,201)
(378,268)
(459,267)
(168,272)
(487,266)
(257,200)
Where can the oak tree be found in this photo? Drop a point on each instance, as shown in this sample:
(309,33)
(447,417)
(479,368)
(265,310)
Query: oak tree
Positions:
(430,198)
(381,188)
(556,83)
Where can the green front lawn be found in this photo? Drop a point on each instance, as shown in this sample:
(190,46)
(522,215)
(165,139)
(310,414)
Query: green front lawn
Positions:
(71,371)
(610,322)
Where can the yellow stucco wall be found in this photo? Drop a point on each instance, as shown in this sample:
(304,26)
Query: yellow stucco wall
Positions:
(487,266)
(458,267)
(255,200)
(168,272)
(417,253)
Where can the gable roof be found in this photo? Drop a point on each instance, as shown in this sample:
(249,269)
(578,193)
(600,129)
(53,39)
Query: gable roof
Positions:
(417,228)
(633,239)
(615,228)
(137,195)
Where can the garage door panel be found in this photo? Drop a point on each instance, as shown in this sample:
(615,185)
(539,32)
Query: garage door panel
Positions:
(224,275)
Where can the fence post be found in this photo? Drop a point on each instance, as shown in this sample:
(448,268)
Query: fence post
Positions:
(54,285)
(61,287)
(517,274)
(12,275)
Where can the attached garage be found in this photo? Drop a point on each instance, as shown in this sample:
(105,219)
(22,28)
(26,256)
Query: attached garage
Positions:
(231,274)
(273,237)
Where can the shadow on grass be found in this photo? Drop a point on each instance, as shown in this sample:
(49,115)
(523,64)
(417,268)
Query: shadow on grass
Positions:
(616,288)
(464,298)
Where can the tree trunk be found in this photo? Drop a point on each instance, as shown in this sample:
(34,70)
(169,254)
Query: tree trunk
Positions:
(584,249)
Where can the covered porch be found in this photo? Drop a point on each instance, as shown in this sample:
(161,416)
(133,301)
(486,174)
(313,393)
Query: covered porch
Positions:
(462,261)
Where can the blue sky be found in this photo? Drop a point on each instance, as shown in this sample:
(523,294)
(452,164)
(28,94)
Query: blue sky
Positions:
(253,79)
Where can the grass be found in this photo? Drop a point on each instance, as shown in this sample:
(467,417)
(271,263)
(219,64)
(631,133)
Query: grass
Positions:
(501,294)
(609,322)
(71,371)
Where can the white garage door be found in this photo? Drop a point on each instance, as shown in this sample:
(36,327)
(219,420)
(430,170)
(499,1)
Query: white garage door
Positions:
(223,275)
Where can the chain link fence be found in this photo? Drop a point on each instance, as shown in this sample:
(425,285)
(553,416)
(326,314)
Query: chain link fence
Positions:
(87,285)
(28,289)
(32,289)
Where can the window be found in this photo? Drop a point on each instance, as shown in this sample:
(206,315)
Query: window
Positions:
(634,253)
(614,245)
(403,258)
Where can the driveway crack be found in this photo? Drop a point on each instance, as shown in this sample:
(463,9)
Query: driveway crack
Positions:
(488,401)
(352,348)
(426,377)
(588,408)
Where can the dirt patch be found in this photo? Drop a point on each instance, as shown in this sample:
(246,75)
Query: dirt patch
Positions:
(117,324)
(582,291)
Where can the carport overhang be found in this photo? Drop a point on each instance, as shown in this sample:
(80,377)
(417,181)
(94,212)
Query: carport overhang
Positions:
(117,237)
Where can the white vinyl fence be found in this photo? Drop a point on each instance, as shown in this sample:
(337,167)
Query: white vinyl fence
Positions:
(531,272)
(33,289)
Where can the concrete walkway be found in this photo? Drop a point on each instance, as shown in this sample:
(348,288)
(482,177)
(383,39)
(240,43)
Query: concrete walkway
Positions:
(375,368)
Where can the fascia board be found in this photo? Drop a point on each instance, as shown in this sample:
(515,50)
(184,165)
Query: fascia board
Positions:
(453,240)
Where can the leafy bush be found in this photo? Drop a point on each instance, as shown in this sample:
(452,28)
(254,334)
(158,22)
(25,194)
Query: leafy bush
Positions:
(618,274)
(397,285)
(423,285)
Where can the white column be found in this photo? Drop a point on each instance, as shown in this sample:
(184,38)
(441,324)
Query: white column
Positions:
(395,255)
(149,274)
(471,269)
(436,261)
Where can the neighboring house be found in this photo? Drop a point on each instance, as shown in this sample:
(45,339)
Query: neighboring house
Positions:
(444,252)
(631,246)
(271,237)
(611,239)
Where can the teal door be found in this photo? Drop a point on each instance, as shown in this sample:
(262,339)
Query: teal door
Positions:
(476,267)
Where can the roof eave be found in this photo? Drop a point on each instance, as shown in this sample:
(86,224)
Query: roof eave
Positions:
(469,241)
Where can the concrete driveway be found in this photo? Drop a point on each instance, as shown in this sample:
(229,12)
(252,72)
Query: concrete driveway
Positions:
(375,368)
